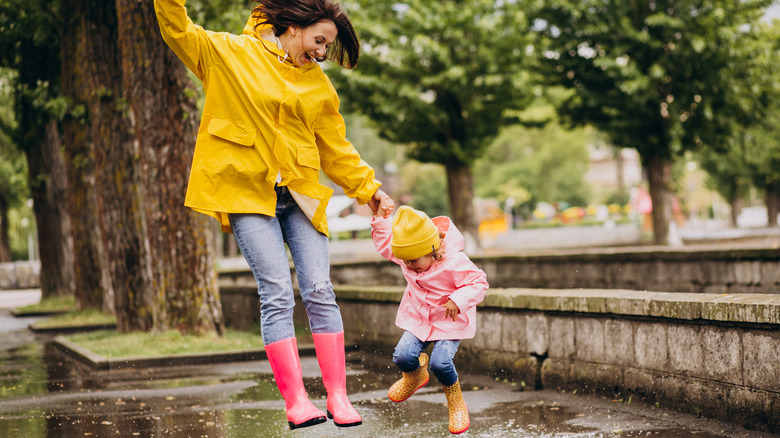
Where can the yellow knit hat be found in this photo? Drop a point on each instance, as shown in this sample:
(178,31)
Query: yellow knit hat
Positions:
(414,234)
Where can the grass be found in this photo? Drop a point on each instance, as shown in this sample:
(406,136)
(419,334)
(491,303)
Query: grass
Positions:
(50,304)
(88,317)
(114,345)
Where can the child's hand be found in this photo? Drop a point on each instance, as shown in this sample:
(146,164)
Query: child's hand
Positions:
(381,204)
(452,309)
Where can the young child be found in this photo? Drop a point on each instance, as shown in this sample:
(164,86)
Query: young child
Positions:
(439,304)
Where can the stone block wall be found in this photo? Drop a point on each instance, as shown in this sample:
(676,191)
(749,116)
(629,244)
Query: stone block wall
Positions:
(708,354)
(653,269)
(20,275)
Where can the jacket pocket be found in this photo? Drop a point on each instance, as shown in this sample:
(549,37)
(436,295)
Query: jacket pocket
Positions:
(232,131)
(308,156)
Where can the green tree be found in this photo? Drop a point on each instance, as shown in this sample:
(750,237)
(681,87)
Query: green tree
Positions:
(655,76)
(751,156)
(425,185)
(13,168)
(536,164)
(762,144)
(441,78)
(728,175)
(29,45)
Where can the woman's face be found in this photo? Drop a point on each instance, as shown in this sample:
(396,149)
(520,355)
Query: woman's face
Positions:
(310,42)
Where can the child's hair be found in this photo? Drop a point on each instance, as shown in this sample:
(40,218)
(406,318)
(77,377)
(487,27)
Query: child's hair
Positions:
(438,254)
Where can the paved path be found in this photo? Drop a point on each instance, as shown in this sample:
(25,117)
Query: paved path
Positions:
(11,299)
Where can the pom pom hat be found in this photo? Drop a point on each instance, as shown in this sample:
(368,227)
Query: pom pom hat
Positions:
(414,234)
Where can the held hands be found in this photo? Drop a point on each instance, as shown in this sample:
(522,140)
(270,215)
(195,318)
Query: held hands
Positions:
(452,309)
(381,204)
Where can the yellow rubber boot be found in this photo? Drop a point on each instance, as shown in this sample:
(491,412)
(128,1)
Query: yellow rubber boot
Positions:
(459,412)
(410,382)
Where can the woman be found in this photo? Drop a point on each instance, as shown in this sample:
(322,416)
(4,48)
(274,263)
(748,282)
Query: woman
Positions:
(270,123)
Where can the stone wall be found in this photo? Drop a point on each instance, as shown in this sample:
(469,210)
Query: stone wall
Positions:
(653,269)
(20,275)
(708,354)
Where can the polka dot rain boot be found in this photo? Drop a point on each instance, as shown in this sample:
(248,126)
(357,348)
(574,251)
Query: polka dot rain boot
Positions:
(410,382)
(459,412)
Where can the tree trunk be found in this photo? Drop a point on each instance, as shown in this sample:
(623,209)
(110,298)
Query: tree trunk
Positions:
(735,205)
(39,137)
(49,183)
(460,187)
(118,167)
(620,168)
(92,280)
(659,173)
(181,242)
(772,204)
(5,242)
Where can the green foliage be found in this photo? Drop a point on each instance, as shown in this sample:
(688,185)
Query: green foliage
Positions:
(13,167)
(220,15)
(29,44)
(384,156)
(751,155)
(760,139)
(655,76)
(427,184)
(21,221)
(440,77)
(536,165)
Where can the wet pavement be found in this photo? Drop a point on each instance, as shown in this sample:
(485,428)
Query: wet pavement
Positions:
(45,394)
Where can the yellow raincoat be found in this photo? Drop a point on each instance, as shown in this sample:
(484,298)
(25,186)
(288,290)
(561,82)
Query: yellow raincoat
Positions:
(263,118)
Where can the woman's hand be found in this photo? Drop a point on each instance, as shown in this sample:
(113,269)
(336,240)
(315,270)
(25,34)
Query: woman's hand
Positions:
(381,204)
(452,309)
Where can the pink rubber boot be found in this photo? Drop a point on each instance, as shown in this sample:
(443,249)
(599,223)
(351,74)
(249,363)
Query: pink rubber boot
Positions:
(286,365)
(330,355)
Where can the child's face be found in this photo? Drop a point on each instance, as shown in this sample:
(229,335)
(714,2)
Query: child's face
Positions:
(421,264)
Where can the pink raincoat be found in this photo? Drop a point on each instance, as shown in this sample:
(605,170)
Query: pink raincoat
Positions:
(455,278)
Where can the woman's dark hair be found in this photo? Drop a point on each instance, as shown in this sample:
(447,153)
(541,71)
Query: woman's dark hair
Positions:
(281,14)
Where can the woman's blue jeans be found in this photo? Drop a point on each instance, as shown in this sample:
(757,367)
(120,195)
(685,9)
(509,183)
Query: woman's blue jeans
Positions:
(408,350)
(261,239)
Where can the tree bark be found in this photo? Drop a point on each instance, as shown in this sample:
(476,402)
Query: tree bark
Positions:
(5,241)
(735,205)
(772,204)
(460,187)
(79,85)
(119,169)
(49,182)
(181,242)
(620,169)
(659,174)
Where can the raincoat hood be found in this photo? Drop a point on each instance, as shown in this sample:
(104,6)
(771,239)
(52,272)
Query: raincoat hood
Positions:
(454,242)
(262,31)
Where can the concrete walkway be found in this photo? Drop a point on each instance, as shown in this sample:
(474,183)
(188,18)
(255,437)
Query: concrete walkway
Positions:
(11,299)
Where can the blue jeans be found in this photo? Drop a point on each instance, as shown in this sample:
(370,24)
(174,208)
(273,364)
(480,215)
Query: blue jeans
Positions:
(408,350)
(261,240)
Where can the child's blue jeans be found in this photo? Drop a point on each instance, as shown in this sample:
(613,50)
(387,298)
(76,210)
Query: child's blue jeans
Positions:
(408,350)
